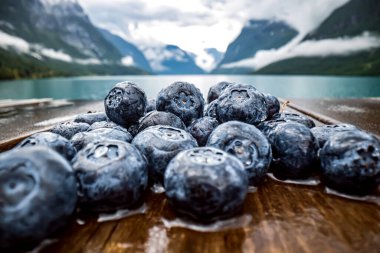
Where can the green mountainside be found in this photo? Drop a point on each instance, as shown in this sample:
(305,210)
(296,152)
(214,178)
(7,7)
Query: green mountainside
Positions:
(62,27)
(17,66)
(364,63)
(352,19)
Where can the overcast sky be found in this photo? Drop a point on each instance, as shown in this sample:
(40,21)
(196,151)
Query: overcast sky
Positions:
(196,24)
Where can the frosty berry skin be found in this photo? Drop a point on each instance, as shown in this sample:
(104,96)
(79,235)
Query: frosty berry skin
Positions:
(182,99)
(111,175)
(201,129)
(38,195)
(125,103)
(350,162)
(206,184)
(91,117)
(294,150)
(243,103)
(215,90)
(294,117)
(246,143)
(159,144)
(54,141)
(325,132)
(69,129)
(273,105)
(80,140)
(154,118)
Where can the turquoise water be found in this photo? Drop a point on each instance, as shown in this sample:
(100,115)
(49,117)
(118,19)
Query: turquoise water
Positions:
(96,87)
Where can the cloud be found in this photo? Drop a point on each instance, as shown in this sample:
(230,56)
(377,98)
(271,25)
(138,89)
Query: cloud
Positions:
(314,48)
(127,61)
(9,41)
(37,51)
(57,55)
(198,24)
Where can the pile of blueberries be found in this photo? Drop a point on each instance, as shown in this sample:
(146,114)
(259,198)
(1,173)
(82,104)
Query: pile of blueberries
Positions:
(204,155)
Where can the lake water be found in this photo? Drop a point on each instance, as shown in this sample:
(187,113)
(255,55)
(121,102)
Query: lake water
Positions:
(96,87)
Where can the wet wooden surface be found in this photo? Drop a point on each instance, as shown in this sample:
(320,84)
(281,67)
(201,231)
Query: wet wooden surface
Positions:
(277,218)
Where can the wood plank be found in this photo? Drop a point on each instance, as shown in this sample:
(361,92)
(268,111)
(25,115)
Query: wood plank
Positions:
(23,102)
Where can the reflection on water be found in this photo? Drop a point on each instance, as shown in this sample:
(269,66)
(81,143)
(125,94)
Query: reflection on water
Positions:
(284,86)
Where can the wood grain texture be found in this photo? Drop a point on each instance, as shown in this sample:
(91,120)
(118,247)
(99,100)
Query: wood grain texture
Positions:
(285,218)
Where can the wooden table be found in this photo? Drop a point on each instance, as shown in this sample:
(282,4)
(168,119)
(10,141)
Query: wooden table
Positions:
(277,218)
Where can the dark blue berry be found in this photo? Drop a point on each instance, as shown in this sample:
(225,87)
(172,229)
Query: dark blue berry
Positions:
(201,129)
(69,129)
(210,109)
(151,105)
(182,99)
(107,124)
(215,90)
(247,143)
(154,118)
(111,174)
(293,117)
(273,105)
(294,150)
(37,196)
(350,162)
(243,103)
(160,144)
(91,117)
(206,184)
(125,103)
(80,140)
(54,141)
(323,133)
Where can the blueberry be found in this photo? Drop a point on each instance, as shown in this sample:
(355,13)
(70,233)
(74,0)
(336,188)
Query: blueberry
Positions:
(106,124)
(215,90)
(350,162)
(151,105)
(267,126)
(91,117)
(69,129)
(323,133)
(294,150)
(160,144)
(80,140)
(293,117)
(206,184)
(182,99)
(154,118)
(54,141)
(201,129)
(134,129)
(273,105)
(247,143)
(210,109)
(37,196)
(111,174)
(125,103)
(243,103)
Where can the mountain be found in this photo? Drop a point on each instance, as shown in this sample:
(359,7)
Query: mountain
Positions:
(131,54)
(170,59)
(355,18)
(257,35)
(349,20)
(208,58)
(57,32)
